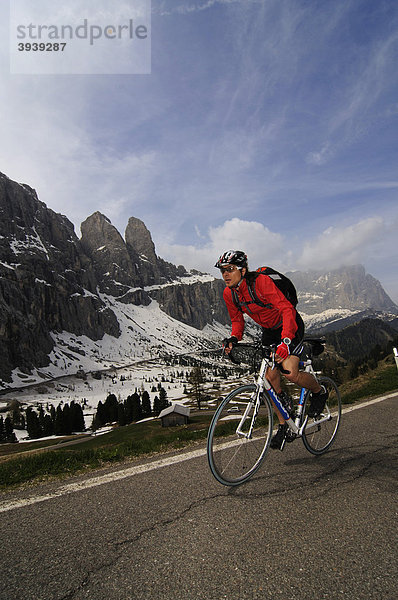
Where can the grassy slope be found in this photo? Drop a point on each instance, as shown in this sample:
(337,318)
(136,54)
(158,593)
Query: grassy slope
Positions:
(377,382)
(94,452)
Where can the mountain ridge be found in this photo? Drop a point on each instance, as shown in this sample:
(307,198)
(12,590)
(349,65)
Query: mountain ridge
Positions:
(64,298)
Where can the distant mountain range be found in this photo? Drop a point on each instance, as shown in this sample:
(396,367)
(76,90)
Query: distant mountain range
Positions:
(331,300)
(104,299)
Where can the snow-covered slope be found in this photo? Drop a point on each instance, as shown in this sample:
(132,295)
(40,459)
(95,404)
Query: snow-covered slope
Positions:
(326,317)
(146,333)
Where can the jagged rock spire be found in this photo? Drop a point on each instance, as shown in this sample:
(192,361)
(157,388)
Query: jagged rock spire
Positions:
(139,240)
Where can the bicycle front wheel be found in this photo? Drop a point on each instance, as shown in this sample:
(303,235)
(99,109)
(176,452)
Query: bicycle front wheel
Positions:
(320,432)
(239,435)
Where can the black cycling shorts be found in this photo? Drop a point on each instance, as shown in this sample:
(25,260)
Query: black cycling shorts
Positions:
(273,336)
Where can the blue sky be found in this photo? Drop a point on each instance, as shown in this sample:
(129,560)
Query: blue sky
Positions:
(265,125)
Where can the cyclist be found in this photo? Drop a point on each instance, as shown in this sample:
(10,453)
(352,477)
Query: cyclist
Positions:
(282,325)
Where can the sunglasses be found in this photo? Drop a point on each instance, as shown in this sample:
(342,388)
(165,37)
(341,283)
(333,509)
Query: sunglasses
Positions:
(229,269)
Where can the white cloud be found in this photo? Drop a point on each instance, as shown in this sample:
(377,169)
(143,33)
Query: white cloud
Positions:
(337,246)
(321,157)
(260,244)
(51,145)
(86,179)
(360,242)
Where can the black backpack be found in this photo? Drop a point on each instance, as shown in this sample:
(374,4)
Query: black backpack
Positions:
(283,283)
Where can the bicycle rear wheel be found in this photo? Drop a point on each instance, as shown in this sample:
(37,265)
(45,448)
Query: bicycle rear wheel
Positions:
(320,432)
(234,457)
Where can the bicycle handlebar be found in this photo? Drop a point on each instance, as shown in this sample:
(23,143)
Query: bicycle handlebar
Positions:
(266,350)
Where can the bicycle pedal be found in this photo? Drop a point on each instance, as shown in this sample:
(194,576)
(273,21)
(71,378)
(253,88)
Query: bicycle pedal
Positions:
(289,438)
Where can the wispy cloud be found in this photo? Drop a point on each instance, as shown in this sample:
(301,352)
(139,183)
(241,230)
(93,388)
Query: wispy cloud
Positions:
(334,247)
(338,246)
(320,157)
(181,8)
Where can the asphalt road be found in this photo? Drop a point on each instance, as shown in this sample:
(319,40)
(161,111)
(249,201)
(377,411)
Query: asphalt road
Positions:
(316,528)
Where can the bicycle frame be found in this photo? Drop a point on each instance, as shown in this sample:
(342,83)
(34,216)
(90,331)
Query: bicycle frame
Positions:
(296,426)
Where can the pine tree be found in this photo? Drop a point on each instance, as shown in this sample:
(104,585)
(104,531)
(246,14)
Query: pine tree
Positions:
(128,409)
(111,408)
(41,417)
(96,424)
(163,401)
(77,417)
(67,420)
(100,416)
(10,436)
(59,423)
(121,414)
(146,405)
(80,418)
(134,408)
(196,380)
(2,430)
(156,406)
(33,424)
(16,415)
(48,426)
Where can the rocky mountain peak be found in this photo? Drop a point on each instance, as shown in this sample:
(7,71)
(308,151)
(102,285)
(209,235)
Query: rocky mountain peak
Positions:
(123,265)
(98,231)
(139,240)
(114,269)
(29,225)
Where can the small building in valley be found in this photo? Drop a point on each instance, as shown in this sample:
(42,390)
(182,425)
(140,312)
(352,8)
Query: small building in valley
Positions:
(177,414)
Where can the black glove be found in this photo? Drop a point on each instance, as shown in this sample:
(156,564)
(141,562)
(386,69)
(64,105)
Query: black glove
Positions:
(232,340)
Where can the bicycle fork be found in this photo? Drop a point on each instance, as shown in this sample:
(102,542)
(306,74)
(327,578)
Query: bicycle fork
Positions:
(253,402)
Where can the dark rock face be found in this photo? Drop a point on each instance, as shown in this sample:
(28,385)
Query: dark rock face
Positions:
(122,266)
(46,281)
(153,270)
(114,270)
(197,304)
(139,241)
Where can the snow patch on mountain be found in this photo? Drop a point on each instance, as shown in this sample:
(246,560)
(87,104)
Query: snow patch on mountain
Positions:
(188,280)
(146,333)
(326,317)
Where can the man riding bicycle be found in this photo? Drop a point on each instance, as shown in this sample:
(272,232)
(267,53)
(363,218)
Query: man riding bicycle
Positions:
(282,325)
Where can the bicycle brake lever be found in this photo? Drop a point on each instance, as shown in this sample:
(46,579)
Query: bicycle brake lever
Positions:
(278,365)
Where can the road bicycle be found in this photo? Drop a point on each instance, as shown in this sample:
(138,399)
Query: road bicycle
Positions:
(241,429)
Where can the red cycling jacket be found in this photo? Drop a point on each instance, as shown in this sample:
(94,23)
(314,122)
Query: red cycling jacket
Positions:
(282,312)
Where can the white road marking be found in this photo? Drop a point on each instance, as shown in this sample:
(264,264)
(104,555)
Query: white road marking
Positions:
(101,479)
(368,402)
(71,488)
